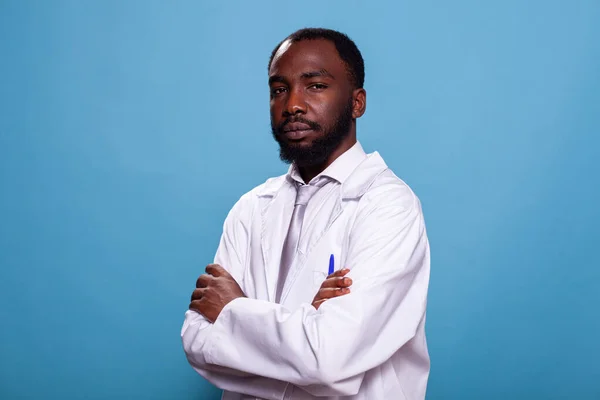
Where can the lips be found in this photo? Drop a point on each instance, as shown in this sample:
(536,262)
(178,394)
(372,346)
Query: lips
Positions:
(296,126)
(296,130)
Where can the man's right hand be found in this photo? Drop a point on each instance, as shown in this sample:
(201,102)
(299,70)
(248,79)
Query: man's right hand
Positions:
(334,285)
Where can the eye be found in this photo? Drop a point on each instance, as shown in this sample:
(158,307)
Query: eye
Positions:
(318,86)
(276,91)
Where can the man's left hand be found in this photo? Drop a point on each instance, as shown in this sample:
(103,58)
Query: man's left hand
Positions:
(214,290)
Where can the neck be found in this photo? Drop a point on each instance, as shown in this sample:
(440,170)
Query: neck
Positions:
(309,172)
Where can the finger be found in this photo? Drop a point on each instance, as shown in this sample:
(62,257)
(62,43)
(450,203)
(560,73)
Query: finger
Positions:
(197,294)
(203,280)
(216,270)
(329,293)
(336,282)
(339,272)
(338,292)
(317,303)
(196,305)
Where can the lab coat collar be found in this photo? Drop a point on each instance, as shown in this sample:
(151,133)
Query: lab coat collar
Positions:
(340,169)
(363,176)
(354,186)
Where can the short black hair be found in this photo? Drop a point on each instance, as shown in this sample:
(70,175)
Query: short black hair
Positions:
(345,47)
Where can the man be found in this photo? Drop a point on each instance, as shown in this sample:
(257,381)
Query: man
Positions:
(268,320)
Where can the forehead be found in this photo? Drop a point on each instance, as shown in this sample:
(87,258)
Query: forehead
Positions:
(293,59)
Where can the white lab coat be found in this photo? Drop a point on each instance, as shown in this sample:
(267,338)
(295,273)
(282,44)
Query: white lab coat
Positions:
(368,345)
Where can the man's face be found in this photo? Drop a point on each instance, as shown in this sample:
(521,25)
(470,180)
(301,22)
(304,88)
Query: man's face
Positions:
(311,101)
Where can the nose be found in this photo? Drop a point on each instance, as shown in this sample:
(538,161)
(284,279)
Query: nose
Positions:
(295,104)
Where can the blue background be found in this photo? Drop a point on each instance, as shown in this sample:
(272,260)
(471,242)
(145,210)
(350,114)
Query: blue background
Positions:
(129,128)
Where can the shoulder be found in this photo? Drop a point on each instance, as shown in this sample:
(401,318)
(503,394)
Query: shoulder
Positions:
(376,185)
(388,207)
(389,191)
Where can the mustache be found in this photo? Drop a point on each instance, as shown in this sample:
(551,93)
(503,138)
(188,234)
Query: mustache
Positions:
(313,125)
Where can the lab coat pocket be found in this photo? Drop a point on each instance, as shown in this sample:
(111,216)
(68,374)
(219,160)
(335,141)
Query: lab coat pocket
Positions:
(326,264)
(325,256)
(318,278)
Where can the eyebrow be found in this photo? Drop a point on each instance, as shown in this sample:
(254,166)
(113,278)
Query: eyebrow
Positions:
(276,78)
(304,75)
(315,74)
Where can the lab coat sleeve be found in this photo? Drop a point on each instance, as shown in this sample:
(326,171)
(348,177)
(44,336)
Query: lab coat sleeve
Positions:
(196,328)
(388,257)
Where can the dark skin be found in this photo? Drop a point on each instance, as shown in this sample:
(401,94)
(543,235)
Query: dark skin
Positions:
(306,79)
(334,285)
(215,289)
(309,79)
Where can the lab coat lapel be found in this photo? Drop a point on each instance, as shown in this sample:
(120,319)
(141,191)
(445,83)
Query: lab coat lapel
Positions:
(269,216)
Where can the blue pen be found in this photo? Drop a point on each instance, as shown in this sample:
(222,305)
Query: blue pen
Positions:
(331,263)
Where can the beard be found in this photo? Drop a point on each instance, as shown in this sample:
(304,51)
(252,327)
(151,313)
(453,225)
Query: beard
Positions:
(322,147)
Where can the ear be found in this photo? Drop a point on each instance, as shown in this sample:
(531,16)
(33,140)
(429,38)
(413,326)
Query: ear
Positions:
(359,102)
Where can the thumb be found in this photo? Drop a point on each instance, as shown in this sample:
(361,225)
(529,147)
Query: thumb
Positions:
(216,270)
